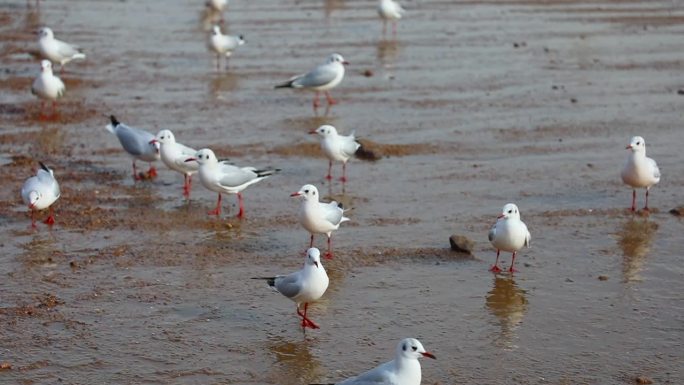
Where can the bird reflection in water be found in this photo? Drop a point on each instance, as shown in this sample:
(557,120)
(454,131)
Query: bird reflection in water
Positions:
(635,238)
(221,84)
(332,5)
(507,302)
(294,362)
(387,52)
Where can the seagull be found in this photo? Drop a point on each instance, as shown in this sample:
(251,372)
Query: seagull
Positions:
(221,177)
(137,143)
(47,86)
(303,286)
(217,5)
(404,369)
(40,192)
(322,78)
(336,147)
(640,171)
(224,44)
(174,154)
(392,11)
(55,50)
(509,233)
(317,217)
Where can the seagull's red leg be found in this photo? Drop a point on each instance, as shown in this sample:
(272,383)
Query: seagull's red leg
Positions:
(646,206)
(394,28)
(330,99)
(241,213)
(512,269)
(329,254)
(50,219)
(329,176)
(495,268)
(135,172)
(311,243)
(344,172)
(316,102)
(305,320)
(33,218)
(633,200)
(54,109)
(217,210)
(186,186)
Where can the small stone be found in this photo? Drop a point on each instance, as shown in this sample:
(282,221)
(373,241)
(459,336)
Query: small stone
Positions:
(573,100)
(461,244)
(643,380)
(368,73)
(5,366)
(569,280)
(603,277)
(590,165)
(677,211)
(680,92)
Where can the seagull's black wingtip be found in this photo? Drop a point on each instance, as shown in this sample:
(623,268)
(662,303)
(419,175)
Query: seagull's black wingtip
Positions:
(43,166)
(113,120)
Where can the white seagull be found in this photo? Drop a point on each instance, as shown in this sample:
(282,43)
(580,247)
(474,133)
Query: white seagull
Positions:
(640,171)
(509,233)
(224,44)
(222,177)
(322,78)
(40,192)
(47,86)
(55,50)
(137,143)
(303,286)
(336,147)
(217,5)
(317,217)
(174,156)
(390,10)
(404,369)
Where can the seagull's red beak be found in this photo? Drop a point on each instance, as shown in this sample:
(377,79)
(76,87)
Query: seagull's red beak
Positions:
(312,132)
(501,216)
(295,194)
(345,63)
(629,147)
(153,141)
(429,355)
(191,160)
(316,263)
(31,206)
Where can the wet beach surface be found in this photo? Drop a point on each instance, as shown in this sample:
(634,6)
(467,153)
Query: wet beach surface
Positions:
(474,104)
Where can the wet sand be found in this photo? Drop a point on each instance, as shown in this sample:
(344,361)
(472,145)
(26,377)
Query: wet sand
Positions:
(471,106)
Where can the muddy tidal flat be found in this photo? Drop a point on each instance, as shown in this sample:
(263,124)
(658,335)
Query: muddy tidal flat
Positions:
(471,105)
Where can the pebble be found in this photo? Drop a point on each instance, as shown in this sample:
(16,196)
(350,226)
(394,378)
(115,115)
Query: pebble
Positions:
(603,277)
(643,380)
(461,244)
(677,211)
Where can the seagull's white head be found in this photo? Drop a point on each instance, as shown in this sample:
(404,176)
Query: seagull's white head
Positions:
(45,32)
(308,191)
(510,211)
(203,156)
(411,348)
(164,137)
(34,197)
(324,130)
(313,257)
(46,66)
(336,58)
(637,144)
(217,30)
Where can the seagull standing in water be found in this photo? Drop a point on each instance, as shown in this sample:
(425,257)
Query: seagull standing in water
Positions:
(47,86)
(640,171)
(137,143)
(174,154)
(303,286)
(336,148)
(221,177)
(223,45)
(322,78)
(404,369)
(55,50)
(317,217)
(40,192)
(509,233)
(390,10)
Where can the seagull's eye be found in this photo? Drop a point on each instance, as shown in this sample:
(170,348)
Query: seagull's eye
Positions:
(313,192)
(638,143)
(510,211)
(414,348)
(306,191)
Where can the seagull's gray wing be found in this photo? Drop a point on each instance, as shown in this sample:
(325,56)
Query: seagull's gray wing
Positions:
(136,142)
(289,285)
(236,176)
(319,76)
(656,170)
(333,213)
(66,49)
(492,233)
(350,145)
(376,376)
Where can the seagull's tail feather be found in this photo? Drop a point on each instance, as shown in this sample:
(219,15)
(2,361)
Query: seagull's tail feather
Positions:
(110,127)
(266,172)
(344,219)
(269,280)
(43,166)
(287,84)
